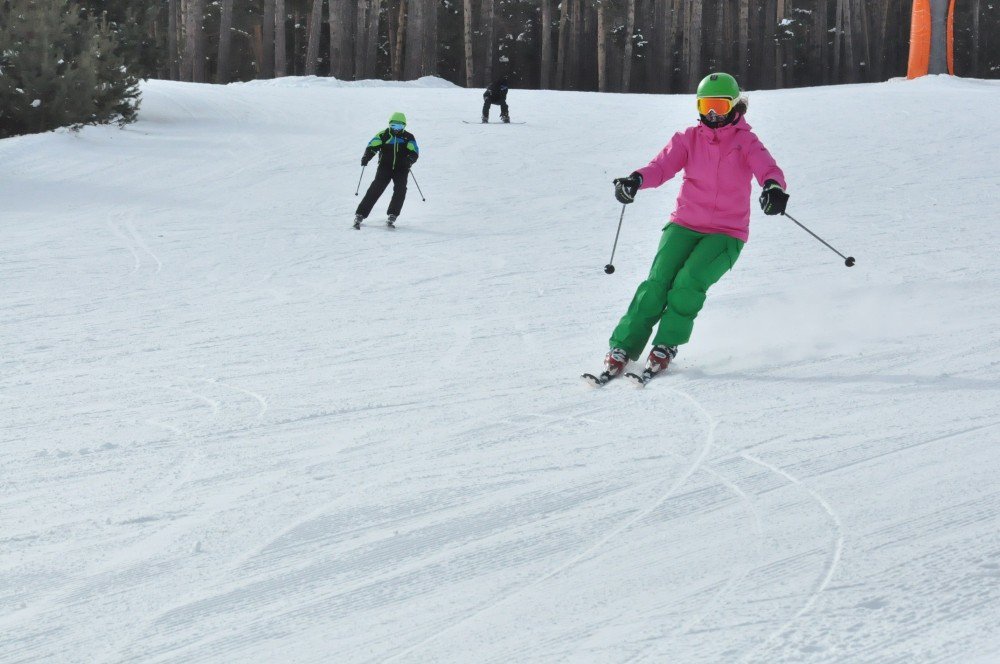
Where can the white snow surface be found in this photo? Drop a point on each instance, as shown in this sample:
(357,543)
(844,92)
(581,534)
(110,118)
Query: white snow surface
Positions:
(235,429)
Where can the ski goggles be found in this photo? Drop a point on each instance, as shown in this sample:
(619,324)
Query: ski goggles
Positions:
(717,105)
(397,126)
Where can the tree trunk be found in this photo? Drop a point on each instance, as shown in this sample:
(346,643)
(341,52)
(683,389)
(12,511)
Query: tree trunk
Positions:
(314,26)
(848,25)
(280,49)
(693,41)
(467,41)
(546,72)
(294,67)
(257,47)
(413,65)
(194,47)
(563,44)
(397,56)
(744,43)
(172,28)
(675,70)
(820,70)
(374,23)
(267,38)
(883,40)
(975,59)
(838,32)
(341,38)
(657,61)
(488,29)
(225,41)
(184,63)
(779,47)
(587,65)
(722,40)
(575,28)
(769,47)
(629,35)
(361,40)
(602,49)
(392,28)
(430,56)
(861,31)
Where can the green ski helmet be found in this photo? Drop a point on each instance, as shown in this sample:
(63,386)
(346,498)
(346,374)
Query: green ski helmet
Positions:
(718,95)
(719,85)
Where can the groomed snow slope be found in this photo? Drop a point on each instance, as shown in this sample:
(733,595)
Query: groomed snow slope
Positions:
(236,429)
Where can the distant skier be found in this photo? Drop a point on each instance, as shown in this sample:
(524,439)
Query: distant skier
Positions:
(397,151)
(707,230)
(496,94)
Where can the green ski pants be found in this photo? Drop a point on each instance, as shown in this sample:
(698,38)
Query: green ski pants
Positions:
(687,263)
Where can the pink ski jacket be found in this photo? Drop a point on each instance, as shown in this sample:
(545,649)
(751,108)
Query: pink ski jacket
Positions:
(718,164)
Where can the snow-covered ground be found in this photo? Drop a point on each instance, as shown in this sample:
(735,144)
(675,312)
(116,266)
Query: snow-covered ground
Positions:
(232,428)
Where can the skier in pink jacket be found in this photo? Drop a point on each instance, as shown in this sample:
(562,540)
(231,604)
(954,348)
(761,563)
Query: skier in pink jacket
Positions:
(707,230)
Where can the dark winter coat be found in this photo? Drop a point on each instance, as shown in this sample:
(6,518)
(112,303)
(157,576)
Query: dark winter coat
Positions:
(497,93)
(395,151)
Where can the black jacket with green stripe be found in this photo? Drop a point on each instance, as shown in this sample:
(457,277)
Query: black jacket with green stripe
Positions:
(394,150)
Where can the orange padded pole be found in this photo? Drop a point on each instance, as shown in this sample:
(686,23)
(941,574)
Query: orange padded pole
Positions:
(951,38)
(920,39)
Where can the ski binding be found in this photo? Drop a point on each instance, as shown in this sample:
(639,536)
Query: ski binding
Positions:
(640,380)
(597,381)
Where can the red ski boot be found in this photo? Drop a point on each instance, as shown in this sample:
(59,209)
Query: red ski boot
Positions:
(658,360)
(614,364)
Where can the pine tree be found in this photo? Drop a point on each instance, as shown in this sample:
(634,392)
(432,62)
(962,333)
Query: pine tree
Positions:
(133,25)
(60,68)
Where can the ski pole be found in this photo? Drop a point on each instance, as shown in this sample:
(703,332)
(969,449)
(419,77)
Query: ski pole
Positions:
(418,186)
(360,178)
(610,267)
(848,260)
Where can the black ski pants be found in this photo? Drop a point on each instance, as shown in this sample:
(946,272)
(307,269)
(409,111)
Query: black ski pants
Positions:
(504,109)
(383,176)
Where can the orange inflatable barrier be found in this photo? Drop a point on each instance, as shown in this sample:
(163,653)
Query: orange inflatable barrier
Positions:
(921,34)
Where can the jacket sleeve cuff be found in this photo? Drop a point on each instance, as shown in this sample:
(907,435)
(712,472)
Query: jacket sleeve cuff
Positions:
(774,177)
(648,175)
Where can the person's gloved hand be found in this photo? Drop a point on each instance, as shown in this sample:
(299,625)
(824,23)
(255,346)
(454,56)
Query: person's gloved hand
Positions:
(626,188)
(366,158)
(411,159)
(773,199)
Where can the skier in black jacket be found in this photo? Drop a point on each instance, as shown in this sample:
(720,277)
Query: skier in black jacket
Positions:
(496,94)
(397,150)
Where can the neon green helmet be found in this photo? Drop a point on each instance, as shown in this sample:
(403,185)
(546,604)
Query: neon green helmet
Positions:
(719,85)
(398,117)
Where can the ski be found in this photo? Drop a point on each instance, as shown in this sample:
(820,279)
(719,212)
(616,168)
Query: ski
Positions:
(493,123)
(391,225)
(640,380)
(597,381)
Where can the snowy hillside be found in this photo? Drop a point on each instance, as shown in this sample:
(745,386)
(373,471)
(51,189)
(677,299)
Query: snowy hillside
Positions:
(233,428)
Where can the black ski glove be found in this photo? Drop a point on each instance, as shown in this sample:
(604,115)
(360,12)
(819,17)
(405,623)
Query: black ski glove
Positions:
(626,188)
(773,199)
(365,159)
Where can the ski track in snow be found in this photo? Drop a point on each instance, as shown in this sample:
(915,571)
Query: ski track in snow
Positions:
(640,514)
(234,428)
(838,539)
